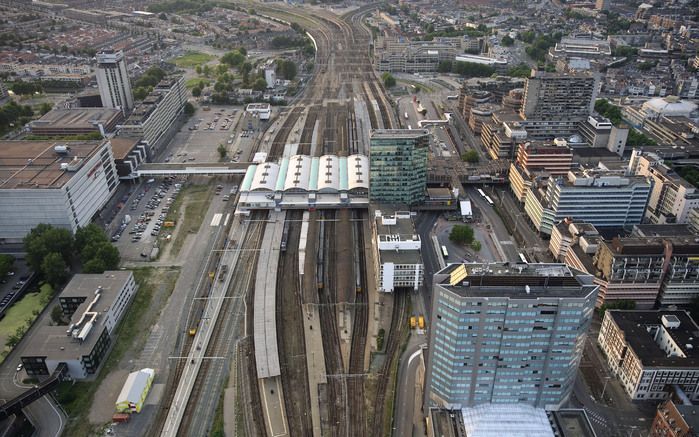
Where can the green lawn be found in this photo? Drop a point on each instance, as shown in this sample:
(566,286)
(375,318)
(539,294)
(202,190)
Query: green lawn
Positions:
(191,83)
(196,199)
(23,313)
(192,59)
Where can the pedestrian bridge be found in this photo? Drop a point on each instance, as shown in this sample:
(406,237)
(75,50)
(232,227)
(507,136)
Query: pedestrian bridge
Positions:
(200,168)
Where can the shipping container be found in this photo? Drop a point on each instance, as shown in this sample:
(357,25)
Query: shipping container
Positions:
(120,418)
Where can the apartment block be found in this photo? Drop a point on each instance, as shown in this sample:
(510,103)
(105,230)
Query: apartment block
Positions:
(672,197)
(398,165)
(399,264)
(675,419)
(651,351)
(551,96)
(599,132)
(113,80)
(506,333)
(400,54)
(568,233)
(153,117)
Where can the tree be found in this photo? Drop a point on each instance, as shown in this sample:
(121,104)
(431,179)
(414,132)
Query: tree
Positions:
(198,69)
(6,262)
(222,152)
(89,234)
(259,84)
(140,92)
(476,245)
(233,58)
(57,315)
(506,41)
(461,234)
(221,68)
(54,269)
(445,66)
(45,107)
(288,70)
(617,305)
(471,156)
(43,240)
(189,109)
(388,80)
(521,70)
(196,91)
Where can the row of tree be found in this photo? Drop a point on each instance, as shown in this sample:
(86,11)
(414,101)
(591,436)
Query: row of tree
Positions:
(52,251)
(466,69)
(12,113)
(144,84)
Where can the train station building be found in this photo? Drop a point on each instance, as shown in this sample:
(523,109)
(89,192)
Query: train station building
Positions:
(305,182)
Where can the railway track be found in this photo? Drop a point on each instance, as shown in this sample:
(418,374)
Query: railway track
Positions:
(393,339)
(292,347)
(282,135)
(219,349)
(355,384)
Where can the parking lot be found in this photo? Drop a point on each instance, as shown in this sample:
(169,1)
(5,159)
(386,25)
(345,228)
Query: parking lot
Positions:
(145,216)
(13,284)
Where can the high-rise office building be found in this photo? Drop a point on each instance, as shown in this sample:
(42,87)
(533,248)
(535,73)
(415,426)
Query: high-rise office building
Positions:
(506,333)
(113,80)
(398,165)
(552,96)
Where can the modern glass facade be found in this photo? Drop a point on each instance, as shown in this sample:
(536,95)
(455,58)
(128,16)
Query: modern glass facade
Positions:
(398,166)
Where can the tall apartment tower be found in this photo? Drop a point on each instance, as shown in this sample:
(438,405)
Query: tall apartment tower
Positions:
(551,96)
(398,165)
(113,80)
(507,333)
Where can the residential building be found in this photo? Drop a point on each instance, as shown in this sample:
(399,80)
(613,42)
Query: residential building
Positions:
(502,133)
(113,80)
(552,96)
(506,333)
(76,121)
(154,117)
(398,165)
(94,303)
(672,197)
(693,220)
(63,184)
(675,420)
(399,264)
(581,48)
(650,351)
(601,198)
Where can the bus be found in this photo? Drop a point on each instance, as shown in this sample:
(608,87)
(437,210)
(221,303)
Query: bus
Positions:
(523,258)
(489,200)
(481,192)
(452,97)
(444,252)
(410,127)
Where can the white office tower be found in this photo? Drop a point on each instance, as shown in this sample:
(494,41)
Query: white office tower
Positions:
(113,80)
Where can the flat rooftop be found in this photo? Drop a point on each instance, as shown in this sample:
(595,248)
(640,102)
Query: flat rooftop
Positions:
(664,230)
(77,118)
(572,423)
(53,341)
(122,146)
(36,164)
(635,325)
(514,280)
(400,257)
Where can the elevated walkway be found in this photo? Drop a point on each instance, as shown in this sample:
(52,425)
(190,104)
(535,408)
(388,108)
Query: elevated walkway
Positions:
(16,405)
(190,168)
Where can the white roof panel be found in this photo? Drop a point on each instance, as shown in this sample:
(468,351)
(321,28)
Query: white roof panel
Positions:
(298,173)
(329,173)
(265,177)
(358,171)
(511,420)
(135,383)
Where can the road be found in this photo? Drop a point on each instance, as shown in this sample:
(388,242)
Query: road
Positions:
(408,396)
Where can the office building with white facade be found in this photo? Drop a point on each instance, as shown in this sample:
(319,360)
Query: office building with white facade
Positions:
(398,251)
(95,304)
(506,333)
(113,81)
(600,198)
(650,351)
(63,184)
(153,117)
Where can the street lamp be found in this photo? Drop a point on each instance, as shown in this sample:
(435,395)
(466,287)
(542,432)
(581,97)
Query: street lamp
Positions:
(606,381)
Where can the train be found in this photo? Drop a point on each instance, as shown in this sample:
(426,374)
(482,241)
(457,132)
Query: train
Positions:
(285,236)
(222,273)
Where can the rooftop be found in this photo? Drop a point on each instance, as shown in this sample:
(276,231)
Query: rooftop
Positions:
(398,133)
(122,146)
(690,414)
(640,337)
(77,118)
(55,341)
(511,420)
(37,164)
(515,280)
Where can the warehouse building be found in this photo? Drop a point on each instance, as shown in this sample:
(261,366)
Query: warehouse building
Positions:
(399,264)
(134,392)
(63,184)
(650,351)
(95,303)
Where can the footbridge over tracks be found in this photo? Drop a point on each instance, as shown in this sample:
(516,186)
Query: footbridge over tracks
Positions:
(190,168)
(16,405)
